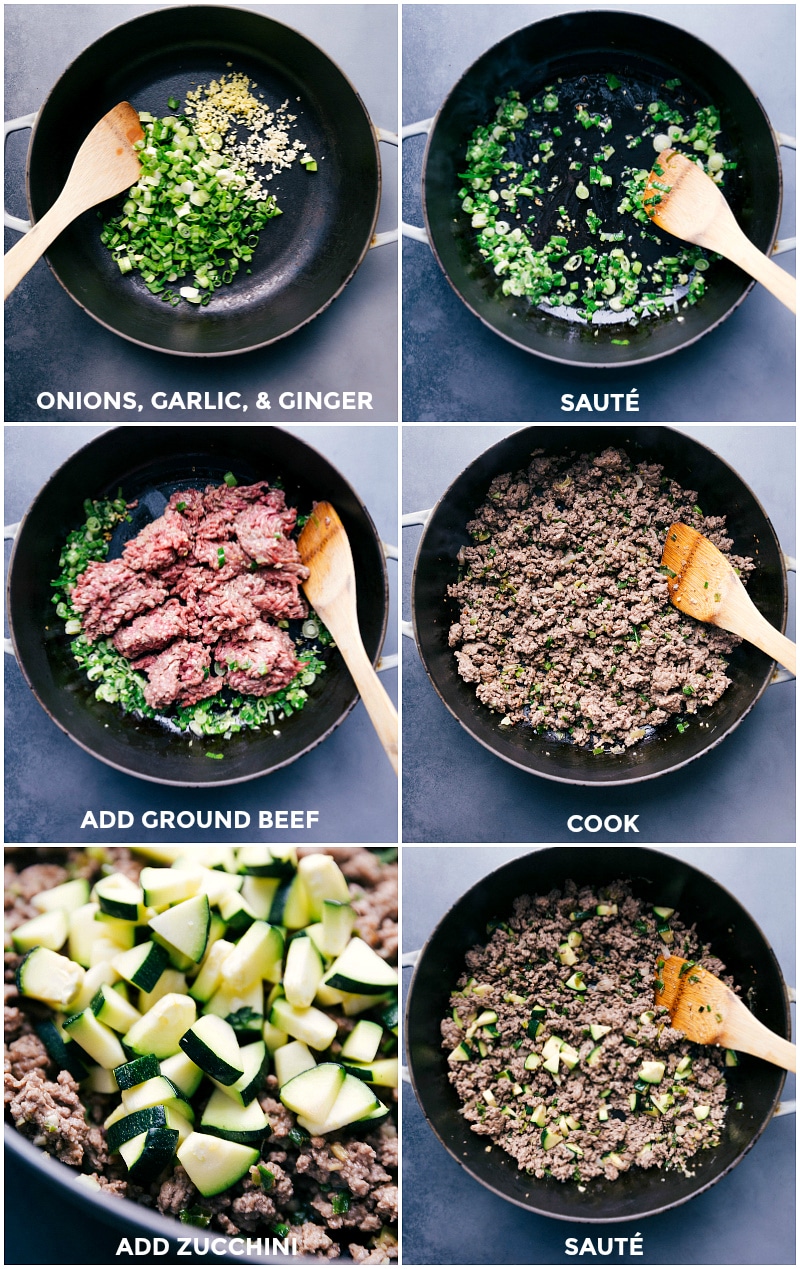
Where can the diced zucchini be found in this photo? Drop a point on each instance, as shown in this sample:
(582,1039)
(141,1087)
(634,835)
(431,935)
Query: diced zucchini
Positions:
(261,861)
(550,1138)
(274,1037)
(363,1042)
(119,897)
(50,977)
(539,1115)
(594,1057)
(663,913)
(83,932)
(129,1074)
(158,1091)
(142,966)
(606,909)
(569,1056)
(312,1092)
(236,912)
(110,1007)
(182,1072)
(223,1118)
(532,1061)
(576,981)
(303,971)
(49,930)
(290,904)
(244,1010)
(258,893)
(461,1053)
(381,1071)
(211,1043)
(96,1039)
(184,927)
(210,975)
(360,970)
(171,981)
(161,1029)
(353,1004)
(701,1112)
(124,1126)
(311,1025)
(338,919)
(323,879)
(292,1059)
(162,887)
(64,1053)
(614,1159)
(149,1154)
(67,897)
(662,1101)
(354,1102)
(257,955)
(602,1114)
(388,1016)
(652,1072)
(597,1032)
(567,955)
(214,1164)
(100,1080)
(254,1059)
(731,1058)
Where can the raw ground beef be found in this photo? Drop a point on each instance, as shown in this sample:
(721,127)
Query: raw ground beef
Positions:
(564,620)
(521,969)
(218,562)
(50,1108)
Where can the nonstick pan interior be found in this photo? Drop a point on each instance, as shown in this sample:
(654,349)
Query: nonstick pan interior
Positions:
(304,257)
(720,492)
(147,464)
(658,878)
(645,52)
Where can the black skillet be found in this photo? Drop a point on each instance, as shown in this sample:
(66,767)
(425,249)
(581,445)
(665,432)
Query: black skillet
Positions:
(305,257)
(148,464)
(657,878)
(720,492)
(642,53)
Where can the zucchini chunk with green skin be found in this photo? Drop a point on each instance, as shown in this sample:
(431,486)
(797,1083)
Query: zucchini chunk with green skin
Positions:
(652,1072)
(162,887)
(96,1039)
(361,971)
(244,1010)
(257,955)
(93,979)
(355,1101)
(65,1053)
(185,926)
(48,976)
(290,905)
(157,1091)
(245,1124)
(292,1059)
(363,1042)
(172,981)
(211,1043)
(142,966)
(258,893)
(323,879)
(137,1071)
(49,929)
(124,1127)
(112,1009)
(84,931)
(261,861)
(214,1164)
(160,1030)
(388,1016)
(68,896)
(337,921)
(235,912)
(149,1154)
(210,976)
(119,897)
(312,1026)
(256,1065)
(303,972)
(383,1071)
(312,1093)
(182,1072)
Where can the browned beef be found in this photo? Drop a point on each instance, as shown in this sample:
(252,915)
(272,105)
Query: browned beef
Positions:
(152,630)
(264,659)
(109,593)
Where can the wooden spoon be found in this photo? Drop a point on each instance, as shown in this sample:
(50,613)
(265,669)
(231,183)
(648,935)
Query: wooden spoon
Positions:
(692,207)
(708,1012)
(702,584)
(105,165)
(331,590)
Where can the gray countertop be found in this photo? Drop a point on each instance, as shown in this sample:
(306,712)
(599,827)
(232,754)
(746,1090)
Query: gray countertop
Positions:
(456,369)
(748,1218)
(52,346)
(50,782)
(456,791)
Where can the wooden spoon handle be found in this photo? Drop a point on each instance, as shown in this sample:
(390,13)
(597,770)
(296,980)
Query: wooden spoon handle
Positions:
(374,695)
(744,1032)
(743,618)
(24,254)
(733,243)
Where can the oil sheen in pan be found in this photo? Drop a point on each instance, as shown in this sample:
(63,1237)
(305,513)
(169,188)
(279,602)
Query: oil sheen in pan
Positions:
(574,147)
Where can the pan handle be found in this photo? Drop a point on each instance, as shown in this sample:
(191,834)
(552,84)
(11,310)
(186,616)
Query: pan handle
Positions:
(9,533)
(393,660)
(782,675)
(407,961)
(785,244)
(389,235)
(413,517)
(413,231)
(16,125)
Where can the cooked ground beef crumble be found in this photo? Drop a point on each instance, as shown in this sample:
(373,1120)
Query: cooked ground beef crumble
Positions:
(594,1116)
(51,1109)
(564,621)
